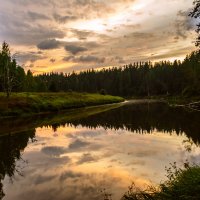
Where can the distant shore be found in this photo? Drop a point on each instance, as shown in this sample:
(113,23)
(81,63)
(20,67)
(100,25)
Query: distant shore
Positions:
(192,103)
(22,104)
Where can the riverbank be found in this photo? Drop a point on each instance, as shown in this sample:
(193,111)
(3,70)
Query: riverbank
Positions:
(22,124)
(192,103)
(22,104)
(180,100)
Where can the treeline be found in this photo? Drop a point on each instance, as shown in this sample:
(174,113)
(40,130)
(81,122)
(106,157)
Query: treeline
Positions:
(137,79)
(143,79)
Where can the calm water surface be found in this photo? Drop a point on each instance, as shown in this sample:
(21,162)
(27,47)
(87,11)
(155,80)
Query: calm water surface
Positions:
(74,156)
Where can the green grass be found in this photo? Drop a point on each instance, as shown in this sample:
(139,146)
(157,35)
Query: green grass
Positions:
(34,103)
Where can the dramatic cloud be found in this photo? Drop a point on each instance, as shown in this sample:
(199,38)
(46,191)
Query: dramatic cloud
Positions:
(78,144)
(63,19)
(69,174)
(74,49)
(184,24)
(91,59)
(37,16)
(43,179)
(85,59)
(53,150)
(77,33)
(83,35)
(120,60)
(31,56)
(48,44)
(86,158)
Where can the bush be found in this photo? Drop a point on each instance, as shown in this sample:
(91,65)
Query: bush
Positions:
(183,184)
(103,92)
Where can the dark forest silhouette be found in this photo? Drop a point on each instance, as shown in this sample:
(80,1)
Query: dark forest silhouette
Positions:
(137,79)
(143,79)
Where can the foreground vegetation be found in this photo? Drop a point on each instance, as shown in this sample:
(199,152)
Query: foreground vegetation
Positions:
(183,184)
(33,103)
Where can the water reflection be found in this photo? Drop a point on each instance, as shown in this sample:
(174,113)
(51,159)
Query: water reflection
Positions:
(76,155)
(11,148)
(145,118)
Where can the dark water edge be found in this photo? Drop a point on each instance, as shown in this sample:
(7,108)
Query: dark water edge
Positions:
(135,115)
(142,117)
(20,124)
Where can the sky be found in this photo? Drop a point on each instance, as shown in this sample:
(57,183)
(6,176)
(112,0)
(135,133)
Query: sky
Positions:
(75,35)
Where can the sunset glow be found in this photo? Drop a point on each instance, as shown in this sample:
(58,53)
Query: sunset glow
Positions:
(55,35)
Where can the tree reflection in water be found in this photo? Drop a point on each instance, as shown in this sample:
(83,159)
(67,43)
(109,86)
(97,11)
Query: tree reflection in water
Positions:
(139,118)
(145,118)
(11,148)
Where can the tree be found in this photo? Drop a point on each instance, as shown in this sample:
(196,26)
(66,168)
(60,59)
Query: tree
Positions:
(30,82)
(20,79)
(7,69)
(196,14)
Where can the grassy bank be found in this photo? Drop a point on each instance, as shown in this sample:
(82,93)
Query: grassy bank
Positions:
(20,104)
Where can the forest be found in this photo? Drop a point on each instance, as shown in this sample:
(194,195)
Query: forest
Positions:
(136,79)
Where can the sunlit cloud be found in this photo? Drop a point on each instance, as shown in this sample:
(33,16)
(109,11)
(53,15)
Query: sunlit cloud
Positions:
(64,31)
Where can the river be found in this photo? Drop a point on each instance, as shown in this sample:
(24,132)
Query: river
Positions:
(83,154)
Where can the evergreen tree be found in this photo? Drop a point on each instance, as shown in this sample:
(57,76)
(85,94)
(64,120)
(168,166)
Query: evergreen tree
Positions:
(7,66)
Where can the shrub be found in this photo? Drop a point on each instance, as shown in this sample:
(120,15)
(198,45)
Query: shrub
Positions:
(183,184)
(103,92)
